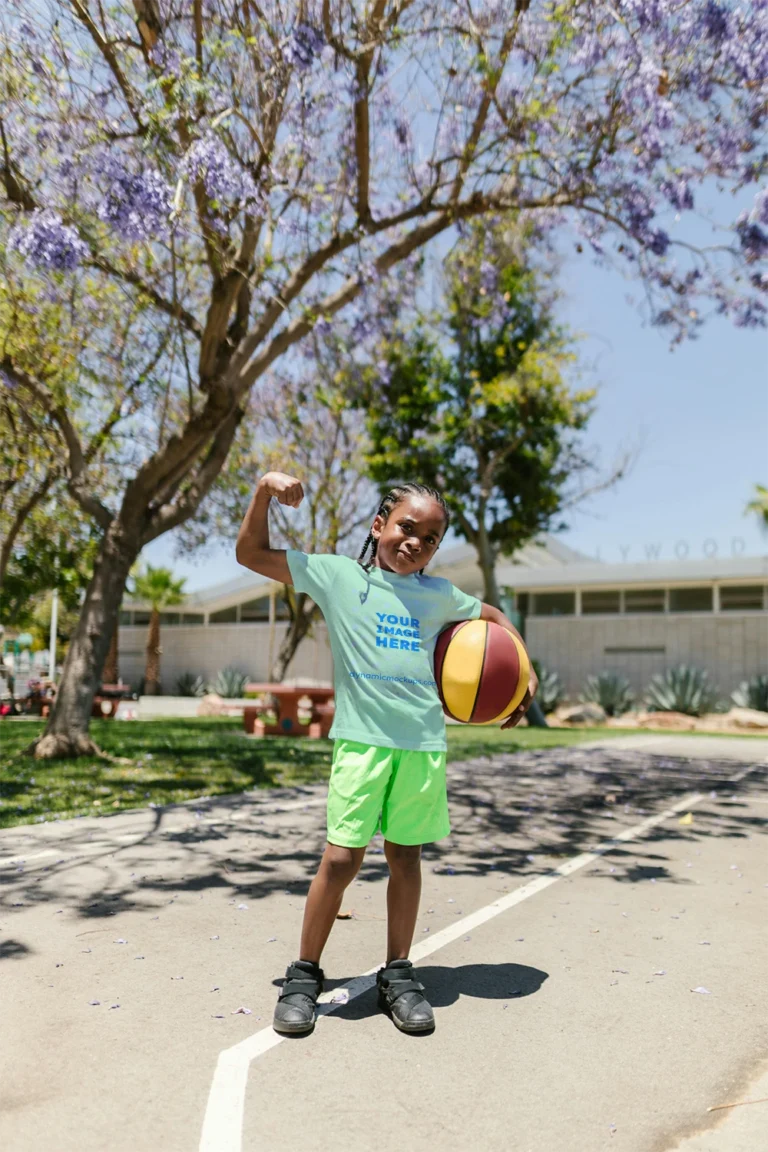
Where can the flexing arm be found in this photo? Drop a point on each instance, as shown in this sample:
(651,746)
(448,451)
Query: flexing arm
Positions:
(252,549)
(488,612)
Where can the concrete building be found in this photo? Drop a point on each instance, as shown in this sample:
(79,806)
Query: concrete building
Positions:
(578,616)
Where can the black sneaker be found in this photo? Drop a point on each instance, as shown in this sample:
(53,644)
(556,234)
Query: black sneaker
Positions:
(295,1008)
(402,997)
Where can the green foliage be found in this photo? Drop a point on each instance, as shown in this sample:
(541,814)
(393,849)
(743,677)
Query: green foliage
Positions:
(752,693)
(477,403)
(682,689)
(230,683)
(611,691)
(550,691)
(759,504)
(188,684)
(157,587)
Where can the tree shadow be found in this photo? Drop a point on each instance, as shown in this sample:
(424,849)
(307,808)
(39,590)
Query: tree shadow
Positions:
(13,950)
(514,815)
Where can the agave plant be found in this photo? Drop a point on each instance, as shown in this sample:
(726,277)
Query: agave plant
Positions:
(682,689)
(190,685)
(230,683)
(550,691)
(611,691)
(752,693)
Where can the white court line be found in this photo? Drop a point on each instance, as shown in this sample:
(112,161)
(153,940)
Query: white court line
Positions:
(223,1121)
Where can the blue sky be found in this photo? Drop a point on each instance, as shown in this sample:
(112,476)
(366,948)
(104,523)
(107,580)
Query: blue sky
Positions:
(697,418)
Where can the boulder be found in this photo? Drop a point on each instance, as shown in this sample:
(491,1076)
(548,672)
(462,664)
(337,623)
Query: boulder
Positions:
(747,718)
(211,705)
(675,721)
(587,713)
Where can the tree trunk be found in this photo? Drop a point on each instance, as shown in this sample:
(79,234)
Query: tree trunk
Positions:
(303,615)
(66,733)
(152,668)
(111,673)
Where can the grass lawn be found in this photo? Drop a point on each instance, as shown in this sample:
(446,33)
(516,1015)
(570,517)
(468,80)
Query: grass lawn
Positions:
(172,760)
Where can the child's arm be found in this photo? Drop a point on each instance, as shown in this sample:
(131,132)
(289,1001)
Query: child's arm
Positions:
(252,549)
(488,612)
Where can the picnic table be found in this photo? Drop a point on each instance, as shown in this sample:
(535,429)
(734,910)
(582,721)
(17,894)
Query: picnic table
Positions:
(286,698)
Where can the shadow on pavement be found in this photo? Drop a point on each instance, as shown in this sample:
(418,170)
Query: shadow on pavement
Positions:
(513,815)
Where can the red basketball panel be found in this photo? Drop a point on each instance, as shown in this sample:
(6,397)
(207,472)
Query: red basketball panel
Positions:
(441,647)
(500,675)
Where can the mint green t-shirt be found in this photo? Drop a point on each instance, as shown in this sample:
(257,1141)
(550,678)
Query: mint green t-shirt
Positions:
(382,627)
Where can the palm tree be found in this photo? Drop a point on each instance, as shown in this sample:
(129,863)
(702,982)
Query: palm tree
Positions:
(760,504)
(156,586)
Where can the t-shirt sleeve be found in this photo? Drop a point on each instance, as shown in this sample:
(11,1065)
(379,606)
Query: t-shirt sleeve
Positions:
(460,605)
(312,574)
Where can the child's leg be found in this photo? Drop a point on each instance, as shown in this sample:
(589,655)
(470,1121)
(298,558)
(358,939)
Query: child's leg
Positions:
(337,870)
(403,895)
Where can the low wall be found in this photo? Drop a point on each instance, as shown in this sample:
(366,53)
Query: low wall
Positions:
(729,648)
(204,651)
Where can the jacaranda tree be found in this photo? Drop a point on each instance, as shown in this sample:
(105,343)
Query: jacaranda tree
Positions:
(246,170)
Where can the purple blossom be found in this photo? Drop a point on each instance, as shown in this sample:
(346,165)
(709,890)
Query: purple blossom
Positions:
(753,240)
(679,194)
(47,242)
(223,177)
(138,205)
(304,45)
(714,20)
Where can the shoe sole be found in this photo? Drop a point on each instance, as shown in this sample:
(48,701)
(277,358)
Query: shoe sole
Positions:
(293,1029)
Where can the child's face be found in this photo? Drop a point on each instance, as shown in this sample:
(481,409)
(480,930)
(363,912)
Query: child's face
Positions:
(408,540)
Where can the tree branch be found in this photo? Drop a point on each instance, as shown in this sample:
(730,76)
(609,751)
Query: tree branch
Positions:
(171,515)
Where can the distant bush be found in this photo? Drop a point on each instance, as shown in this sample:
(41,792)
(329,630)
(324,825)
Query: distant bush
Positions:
(550,691)
(682,689)
(230,683)
(190,685)
(752,693)
(611,691)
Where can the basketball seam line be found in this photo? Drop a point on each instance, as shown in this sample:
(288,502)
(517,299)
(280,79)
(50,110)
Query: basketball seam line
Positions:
(480,676)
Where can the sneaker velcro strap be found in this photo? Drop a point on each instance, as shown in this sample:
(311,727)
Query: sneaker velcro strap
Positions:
(395,988)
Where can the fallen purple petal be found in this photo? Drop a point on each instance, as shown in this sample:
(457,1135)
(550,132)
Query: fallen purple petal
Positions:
(702,990)
(241,1012)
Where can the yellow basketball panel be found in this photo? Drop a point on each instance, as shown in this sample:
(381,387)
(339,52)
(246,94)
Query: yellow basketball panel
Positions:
(522,683)
(462,666)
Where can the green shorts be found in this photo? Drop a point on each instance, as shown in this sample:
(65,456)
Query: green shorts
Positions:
(400,791)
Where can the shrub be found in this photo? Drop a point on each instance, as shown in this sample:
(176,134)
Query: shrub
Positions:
(190,685)
(550,691)
(611,691)
(230,683)
(682,689)
(752,693)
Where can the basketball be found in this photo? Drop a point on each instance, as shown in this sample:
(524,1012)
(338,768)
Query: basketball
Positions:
(482,671)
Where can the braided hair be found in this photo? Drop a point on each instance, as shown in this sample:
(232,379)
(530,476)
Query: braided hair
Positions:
(394,497)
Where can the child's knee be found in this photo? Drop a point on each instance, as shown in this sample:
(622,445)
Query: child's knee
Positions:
(341,863)
(403,857)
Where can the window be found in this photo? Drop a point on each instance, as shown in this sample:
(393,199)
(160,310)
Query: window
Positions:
(190,618)
(226,616)
(141,617)
(741,599)
(690,599)
(126,618)
(521,602)
(644,600)
(554,604)
(595,603)
(169,618)
(255,610)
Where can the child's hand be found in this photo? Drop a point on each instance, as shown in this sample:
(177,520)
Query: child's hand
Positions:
(285,489)
(525,703)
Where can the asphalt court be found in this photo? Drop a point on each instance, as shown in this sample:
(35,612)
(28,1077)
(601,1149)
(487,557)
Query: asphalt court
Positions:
(566,1021)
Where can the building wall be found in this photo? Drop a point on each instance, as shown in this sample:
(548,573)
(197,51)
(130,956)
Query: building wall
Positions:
(730,647)
(205,651)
